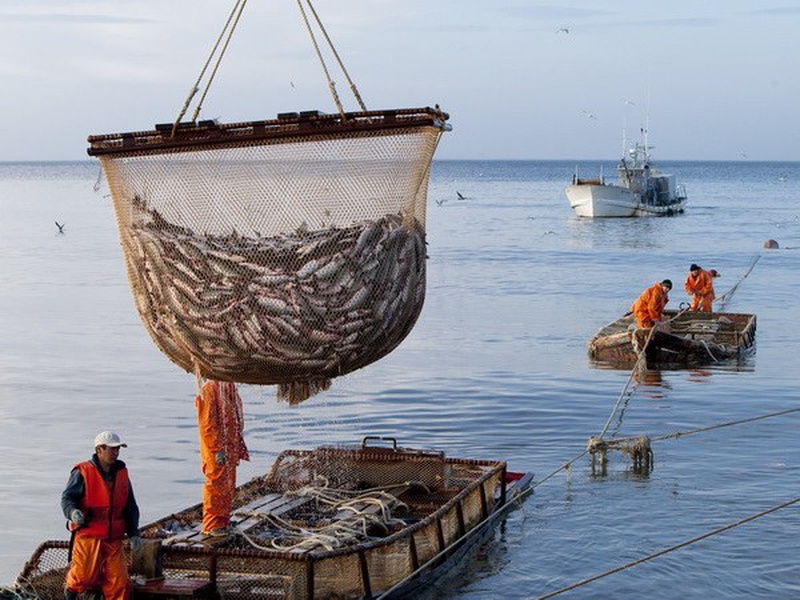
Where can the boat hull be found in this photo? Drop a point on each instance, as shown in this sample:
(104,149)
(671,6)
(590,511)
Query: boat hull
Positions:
(613,201)
(689,339)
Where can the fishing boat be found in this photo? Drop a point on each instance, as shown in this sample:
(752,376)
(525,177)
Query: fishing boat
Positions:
(684,338)
(641,190)
(370,520)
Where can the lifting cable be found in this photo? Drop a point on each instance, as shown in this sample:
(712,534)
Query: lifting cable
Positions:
(324,31)
(331,83)
(671,548)
(230,26)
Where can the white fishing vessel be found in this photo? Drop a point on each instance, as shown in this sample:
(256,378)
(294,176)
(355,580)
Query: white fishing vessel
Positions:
(641,190)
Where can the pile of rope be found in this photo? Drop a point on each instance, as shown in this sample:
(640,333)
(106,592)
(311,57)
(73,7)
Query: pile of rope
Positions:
(345,517)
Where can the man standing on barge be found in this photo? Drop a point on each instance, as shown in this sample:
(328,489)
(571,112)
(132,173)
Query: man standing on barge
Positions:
(101,508)
(220,421)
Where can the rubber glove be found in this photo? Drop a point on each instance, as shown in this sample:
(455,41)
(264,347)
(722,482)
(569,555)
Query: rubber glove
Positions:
(219,456)
(76,516)
(136,543)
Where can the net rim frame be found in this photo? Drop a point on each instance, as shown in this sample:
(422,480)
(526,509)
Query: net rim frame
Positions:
(303,126)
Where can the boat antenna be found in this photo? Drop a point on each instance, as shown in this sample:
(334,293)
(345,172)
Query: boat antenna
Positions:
(647,127)
(624,134)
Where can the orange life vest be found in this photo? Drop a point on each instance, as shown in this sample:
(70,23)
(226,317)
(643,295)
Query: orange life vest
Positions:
(103,503)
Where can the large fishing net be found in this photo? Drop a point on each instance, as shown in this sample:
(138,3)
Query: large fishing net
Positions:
(284,252)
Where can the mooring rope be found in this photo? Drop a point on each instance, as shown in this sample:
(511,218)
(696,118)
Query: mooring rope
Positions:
(729,294)
(678,434)
(672,548)
(641,362)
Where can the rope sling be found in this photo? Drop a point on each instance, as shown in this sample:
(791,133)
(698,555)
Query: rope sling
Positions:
(286,251)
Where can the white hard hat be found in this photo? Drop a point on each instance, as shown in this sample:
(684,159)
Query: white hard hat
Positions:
(108,438)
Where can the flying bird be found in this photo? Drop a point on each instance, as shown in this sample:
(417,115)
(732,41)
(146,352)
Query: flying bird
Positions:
(461,196)
(60,227)
(562,30)
(589,115)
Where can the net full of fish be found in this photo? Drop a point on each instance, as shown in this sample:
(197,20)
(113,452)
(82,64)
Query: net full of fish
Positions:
(292,309)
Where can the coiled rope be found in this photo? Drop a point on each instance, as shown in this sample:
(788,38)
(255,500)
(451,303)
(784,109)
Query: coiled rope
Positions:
(339,532)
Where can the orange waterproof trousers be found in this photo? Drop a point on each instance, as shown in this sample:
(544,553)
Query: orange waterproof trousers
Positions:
(701,288)
(99,564)
(220,421)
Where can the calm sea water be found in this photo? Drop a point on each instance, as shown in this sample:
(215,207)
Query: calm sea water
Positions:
(495,368)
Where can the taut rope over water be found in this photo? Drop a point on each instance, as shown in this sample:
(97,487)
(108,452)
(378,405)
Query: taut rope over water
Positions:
(671,548)
(729,294)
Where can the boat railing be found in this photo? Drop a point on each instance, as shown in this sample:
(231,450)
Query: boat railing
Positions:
(588,181)
(577,180)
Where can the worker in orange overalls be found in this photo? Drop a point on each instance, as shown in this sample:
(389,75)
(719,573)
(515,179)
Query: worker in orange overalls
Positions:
(650,304)
(700,285)
(101,508)
(220,420)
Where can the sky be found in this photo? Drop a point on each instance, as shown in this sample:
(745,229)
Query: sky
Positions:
(521,79)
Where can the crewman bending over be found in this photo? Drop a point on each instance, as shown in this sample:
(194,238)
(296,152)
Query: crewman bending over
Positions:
(649,306)
(700,285)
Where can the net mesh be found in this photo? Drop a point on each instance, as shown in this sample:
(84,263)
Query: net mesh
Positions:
(284,261)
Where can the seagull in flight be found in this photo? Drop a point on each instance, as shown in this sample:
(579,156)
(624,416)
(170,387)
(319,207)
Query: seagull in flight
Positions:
(563,30)
(461,196)
(589,115)
(60,227)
